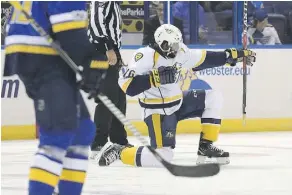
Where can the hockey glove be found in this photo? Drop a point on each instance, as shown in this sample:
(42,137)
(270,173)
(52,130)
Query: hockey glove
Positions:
(235,56)
(93,76)
(163,75)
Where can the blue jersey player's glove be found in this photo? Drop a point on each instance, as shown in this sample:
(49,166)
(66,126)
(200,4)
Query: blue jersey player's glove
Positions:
(93,76)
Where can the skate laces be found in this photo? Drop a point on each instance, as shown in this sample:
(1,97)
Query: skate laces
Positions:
(214,148)
(111,156)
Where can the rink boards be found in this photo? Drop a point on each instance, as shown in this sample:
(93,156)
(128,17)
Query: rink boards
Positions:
(269,98)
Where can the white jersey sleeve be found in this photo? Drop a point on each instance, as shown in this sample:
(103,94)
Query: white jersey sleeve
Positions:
(191,58)
(274,37)
(140,64)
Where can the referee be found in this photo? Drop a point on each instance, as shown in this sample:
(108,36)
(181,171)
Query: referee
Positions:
(105,33)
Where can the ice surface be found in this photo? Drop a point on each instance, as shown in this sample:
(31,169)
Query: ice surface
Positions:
(261,164)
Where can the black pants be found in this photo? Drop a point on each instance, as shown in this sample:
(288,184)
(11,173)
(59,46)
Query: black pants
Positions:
(106,124)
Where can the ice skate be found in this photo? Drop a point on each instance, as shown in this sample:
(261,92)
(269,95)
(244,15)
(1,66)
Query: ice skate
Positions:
(208,153)
(95,152)
(109,154)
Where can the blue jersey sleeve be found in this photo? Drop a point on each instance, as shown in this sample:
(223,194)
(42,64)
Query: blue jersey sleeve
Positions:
(69,22)
(67,15)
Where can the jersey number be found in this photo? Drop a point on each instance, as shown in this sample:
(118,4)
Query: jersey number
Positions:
(129,73)
(18,17)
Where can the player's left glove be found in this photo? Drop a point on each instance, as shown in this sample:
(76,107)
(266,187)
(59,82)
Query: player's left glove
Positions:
(235,56)
(93,76)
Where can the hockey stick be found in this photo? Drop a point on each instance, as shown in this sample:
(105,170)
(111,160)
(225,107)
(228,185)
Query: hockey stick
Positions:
(244,76)
(177,170)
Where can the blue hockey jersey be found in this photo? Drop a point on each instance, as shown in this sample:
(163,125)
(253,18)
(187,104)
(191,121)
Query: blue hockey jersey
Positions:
(54,17)
(65,21)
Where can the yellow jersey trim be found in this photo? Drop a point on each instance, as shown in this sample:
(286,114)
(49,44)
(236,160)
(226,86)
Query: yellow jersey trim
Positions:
(127,84)
(32,49)
(69,26)
(203,57)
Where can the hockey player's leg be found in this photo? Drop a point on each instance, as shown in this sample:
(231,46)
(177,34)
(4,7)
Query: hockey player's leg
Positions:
(162,131)
(211,123)
(55,107)
(207,105)
(76,161)
(47,163)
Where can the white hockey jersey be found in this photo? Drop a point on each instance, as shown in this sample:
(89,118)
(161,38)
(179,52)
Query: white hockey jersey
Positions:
(165,99)
(268,36)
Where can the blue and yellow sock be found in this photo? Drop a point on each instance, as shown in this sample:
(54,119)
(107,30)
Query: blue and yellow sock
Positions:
(44,172)
(74,171)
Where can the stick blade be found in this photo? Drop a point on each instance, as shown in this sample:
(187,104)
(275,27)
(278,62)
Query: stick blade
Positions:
(205,170)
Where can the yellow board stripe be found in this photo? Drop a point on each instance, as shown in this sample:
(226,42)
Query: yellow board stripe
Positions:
(203,57)
(126,84)
(128,156)
(161,100)
(99,64)
(157,129)
(32,49)
(28,131)
(73,176)
(69,26)
(43,176)
(210,131)
(155,58)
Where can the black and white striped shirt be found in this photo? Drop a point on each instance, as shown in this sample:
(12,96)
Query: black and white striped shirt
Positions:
(105,24)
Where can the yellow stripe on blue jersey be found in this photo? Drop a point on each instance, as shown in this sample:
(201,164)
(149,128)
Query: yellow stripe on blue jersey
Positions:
(19,17)
(69,26)
(32,49)
(69,21)
(99,64)
(21,37)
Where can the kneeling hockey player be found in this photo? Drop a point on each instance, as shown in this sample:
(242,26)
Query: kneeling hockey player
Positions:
(152,73)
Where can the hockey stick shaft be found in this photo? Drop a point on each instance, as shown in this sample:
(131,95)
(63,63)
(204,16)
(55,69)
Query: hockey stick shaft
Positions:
(186,171)
(244,76)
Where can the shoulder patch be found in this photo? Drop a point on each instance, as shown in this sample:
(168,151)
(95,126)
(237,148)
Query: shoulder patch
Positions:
(138,56)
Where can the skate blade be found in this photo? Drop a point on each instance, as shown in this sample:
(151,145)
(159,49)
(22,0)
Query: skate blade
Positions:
(207,160)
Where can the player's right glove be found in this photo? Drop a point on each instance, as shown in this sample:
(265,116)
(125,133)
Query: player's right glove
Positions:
(163,75)
(93,76)
(235,56)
